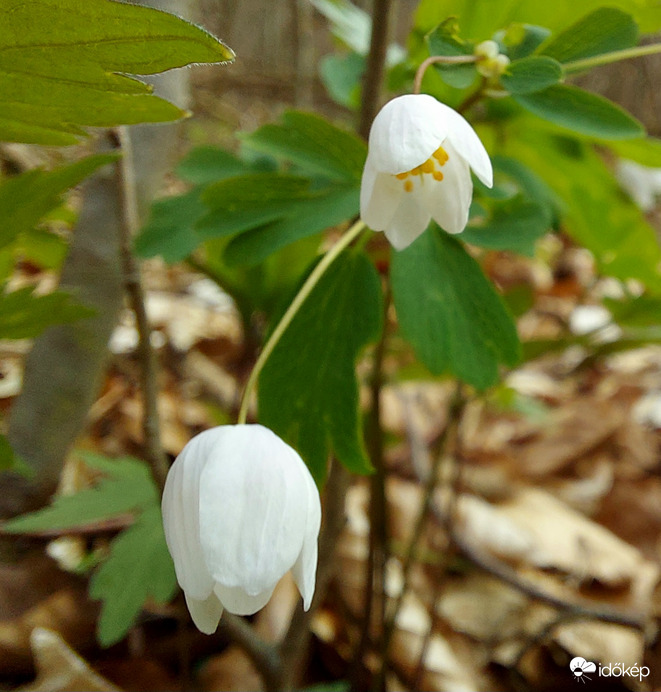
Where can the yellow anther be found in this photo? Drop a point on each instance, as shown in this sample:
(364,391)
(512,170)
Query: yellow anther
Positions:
(402,176)
(427,166)
(408,186)
(441,156)
(437,175)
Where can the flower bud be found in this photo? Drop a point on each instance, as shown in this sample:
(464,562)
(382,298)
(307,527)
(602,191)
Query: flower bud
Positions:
(240,509)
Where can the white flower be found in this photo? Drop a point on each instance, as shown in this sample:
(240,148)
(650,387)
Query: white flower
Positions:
(418,168)
(240,509)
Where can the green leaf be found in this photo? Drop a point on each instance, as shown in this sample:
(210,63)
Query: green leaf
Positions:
(341,75)
(308,392)
(205,165)
(528,75)
(353,26)
(24,315)
(516,229)
(640,312)
(449,312)
(645,151)
(520,40)
(170,231)
(582,112)
(26,198)
(10,462)
(305,218)
(128,487)
(596,212)
(445,40)
(605,30)
(138,567)
(314,144)
(64,64)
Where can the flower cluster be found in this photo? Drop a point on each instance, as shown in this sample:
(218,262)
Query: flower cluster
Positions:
(240,509)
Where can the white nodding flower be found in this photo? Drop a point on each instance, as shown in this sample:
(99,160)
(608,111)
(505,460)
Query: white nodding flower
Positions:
(240,509)
(418,168)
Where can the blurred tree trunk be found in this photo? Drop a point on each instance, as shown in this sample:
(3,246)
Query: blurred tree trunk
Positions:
(64,370)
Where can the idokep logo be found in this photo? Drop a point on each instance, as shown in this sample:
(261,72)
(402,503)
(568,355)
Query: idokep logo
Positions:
(583,669)
(580,668)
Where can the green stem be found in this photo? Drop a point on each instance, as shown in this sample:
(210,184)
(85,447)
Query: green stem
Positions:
(615,56)
(439,59)
(295,306)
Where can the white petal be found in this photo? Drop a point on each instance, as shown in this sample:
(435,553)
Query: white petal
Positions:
(410,220)
(406,132)
(205,613)
(180,509)
(379,197)
(252,520)
(236,600)
(449,203)
(304,570)
(465,141)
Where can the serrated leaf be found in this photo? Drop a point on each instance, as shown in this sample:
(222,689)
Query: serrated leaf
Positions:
(314,144)
(26,198)
(529,75)
(449,312)
(24,315)
(516,229)
(645,151)
(305,218)
(582,111)
(63,65)
(128,488)
(308,391)
(138,567)
(605,30)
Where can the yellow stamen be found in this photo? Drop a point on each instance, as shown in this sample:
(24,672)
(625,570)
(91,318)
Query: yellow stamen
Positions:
(441,156)
(427,166)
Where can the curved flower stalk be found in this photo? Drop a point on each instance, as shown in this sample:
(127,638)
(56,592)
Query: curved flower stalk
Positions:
(240,509)
(418,168)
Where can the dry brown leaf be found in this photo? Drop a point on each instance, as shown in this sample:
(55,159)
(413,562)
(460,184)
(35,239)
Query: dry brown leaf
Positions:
(60,668)
(571,432)
(549,540)
(232,670)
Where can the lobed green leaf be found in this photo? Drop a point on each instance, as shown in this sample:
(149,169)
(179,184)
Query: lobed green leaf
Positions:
(308,391)
(314,144)
(138,567)
(449,312)
(128,487)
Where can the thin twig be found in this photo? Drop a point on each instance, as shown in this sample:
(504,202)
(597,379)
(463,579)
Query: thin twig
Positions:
(263,655)
(294,643)
(508,575)
(148,369)
(378,539)
(454,414)
(375,69)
